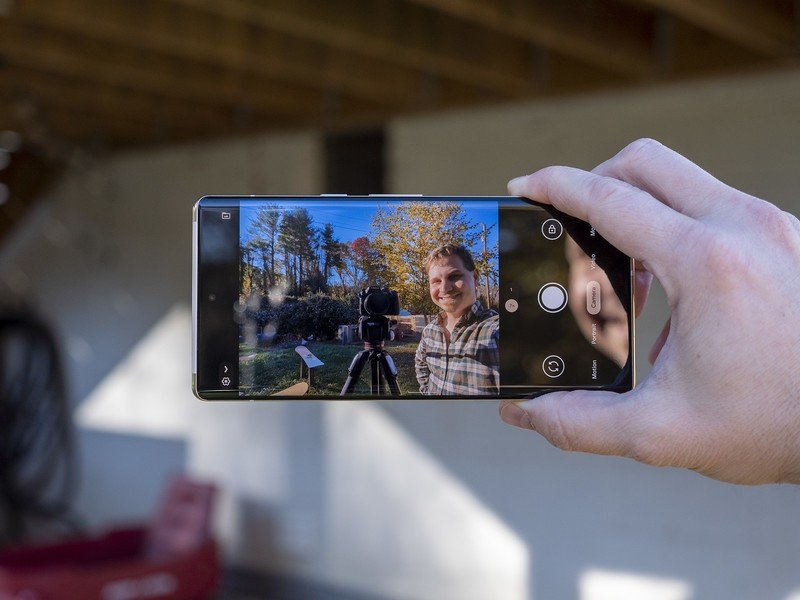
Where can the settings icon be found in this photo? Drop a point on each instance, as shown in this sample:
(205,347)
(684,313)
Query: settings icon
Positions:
(226,381)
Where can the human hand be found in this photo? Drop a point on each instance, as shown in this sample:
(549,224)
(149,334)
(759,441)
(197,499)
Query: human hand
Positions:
(723,396)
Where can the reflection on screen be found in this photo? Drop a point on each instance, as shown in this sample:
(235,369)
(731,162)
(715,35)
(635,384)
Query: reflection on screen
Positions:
(571,327)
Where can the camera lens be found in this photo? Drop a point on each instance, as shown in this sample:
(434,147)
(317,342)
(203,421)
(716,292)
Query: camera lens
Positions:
(377,303)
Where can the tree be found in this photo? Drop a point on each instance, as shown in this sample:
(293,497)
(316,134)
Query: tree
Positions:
(404,235)
(296,238)
(342,264)
(245,270)
(330,247)
(264,234)
(367,261)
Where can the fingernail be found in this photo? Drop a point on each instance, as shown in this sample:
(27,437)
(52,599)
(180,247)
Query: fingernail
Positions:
(515,186)
(514,415)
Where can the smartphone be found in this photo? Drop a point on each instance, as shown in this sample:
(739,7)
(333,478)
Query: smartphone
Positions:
(401,296)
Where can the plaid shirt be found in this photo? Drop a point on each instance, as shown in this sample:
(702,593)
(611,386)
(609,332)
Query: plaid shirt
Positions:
(469,364)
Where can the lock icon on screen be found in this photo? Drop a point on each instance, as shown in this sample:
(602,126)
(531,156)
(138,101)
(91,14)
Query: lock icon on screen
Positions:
(552,229)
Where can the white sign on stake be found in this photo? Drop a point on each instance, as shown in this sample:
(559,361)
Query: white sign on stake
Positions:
(308,358)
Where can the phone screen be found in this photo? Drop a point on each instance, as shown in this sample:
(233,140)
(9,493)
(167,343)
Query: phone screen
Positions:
(362,297)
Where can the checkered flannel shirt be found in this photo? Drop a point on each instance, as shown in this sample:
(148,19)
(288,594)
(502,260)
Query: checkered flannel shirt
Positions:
(469,364)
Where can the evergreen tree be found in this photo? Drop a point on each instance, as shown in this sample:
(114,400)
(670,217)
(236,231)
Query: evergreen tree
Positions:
(296,240)
(263,242)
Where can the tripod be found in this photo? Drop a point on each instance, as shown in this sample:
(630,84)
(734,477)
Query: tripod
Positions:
(382,370)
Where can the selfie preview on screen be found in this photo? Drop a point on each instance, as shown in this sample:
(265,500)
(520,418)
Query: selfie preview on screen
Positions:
(405,297)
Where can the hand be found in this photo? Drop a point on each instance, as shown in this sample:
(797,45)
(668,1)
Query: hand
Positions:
(723,396)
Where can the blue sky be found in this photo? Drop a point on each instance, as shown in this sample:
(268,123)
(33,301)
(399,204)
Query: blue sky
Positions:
(352,218)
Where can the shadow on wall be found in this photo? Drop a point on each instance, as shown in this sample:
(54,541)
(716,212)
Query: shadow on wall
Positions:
(396,508)
(340,492)
(122,475)
(337,490)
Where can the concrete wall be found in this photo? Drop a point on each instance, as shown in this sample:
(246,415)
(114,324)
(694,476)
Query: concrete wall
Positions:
(587,518)
(402,500)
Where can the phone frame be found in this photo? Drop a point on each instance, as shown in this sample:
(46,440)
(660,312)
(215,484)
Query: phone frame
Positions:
(228,395)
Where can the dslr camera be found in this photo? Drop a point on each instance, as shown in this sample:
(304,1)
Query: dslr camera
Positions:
(374,303)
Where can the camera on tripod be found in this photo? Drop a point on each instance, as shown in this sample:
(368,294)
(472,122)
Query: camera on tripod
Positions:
(374,303)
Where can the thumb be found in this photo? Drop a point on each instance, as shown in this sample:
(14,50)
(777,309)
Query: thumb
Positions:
(587,421)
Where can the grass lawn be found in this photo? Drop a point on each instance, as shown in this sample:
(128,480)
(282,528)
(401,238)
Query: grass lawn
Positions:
(267,371)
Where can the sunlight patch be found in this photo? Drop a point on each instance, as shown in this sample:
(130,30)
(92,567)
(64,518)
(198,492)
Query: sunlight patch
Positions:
(399,521)
(596,584)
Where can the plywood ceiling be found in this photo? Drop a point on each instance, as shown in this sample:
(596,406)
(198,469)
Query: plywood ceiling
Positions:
(79,78)
(117,73)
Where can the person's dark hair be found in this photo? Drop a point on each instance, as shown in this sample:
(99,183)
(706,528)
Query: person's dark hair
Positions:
(450,250)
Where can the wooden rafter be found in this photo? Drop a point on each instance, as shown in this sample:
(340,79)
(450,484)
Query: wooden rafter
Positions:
(748,23)
(48,52)
(158,70)
(601,43)
(107,101)
(228,44)
(81,124)
(393,32)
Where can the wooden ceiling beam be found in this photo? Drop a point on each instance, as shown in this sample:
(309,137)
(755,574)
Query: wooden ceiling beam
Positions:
(601,42)
(53,125)
(46,90)
(31,49)
(197,36)
(747,23)
(395,32)
(45,52)
(693,52)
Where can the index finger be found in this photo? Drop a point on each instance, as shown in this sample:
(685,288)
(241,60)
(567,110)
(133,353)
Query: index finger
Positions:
(669,177)
(629,218)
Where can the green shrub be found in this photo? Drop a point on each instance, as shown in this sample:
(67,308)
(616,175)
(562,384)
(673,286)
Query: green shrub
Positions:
(316,314)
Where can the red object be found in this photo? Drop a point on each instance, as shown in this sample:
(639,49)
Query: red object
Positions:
(173,558)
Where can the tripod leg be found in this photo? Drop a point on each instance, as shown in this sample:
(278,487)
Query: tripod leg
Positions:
(375,367)
(389,383)
(390,372)
(354,372)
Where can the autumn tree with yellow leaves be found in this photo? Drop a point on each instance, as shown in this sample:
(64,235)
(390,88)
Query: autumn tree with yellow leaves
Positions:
(405,233)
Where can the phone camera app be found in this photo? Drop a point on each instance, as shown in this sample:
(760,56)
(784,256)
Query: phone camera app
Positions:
(552,229)
(552,297)
(553,366)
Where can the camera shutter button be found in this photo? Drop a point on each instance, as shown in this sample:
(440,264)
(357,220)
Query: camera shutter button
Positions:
(552,297)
